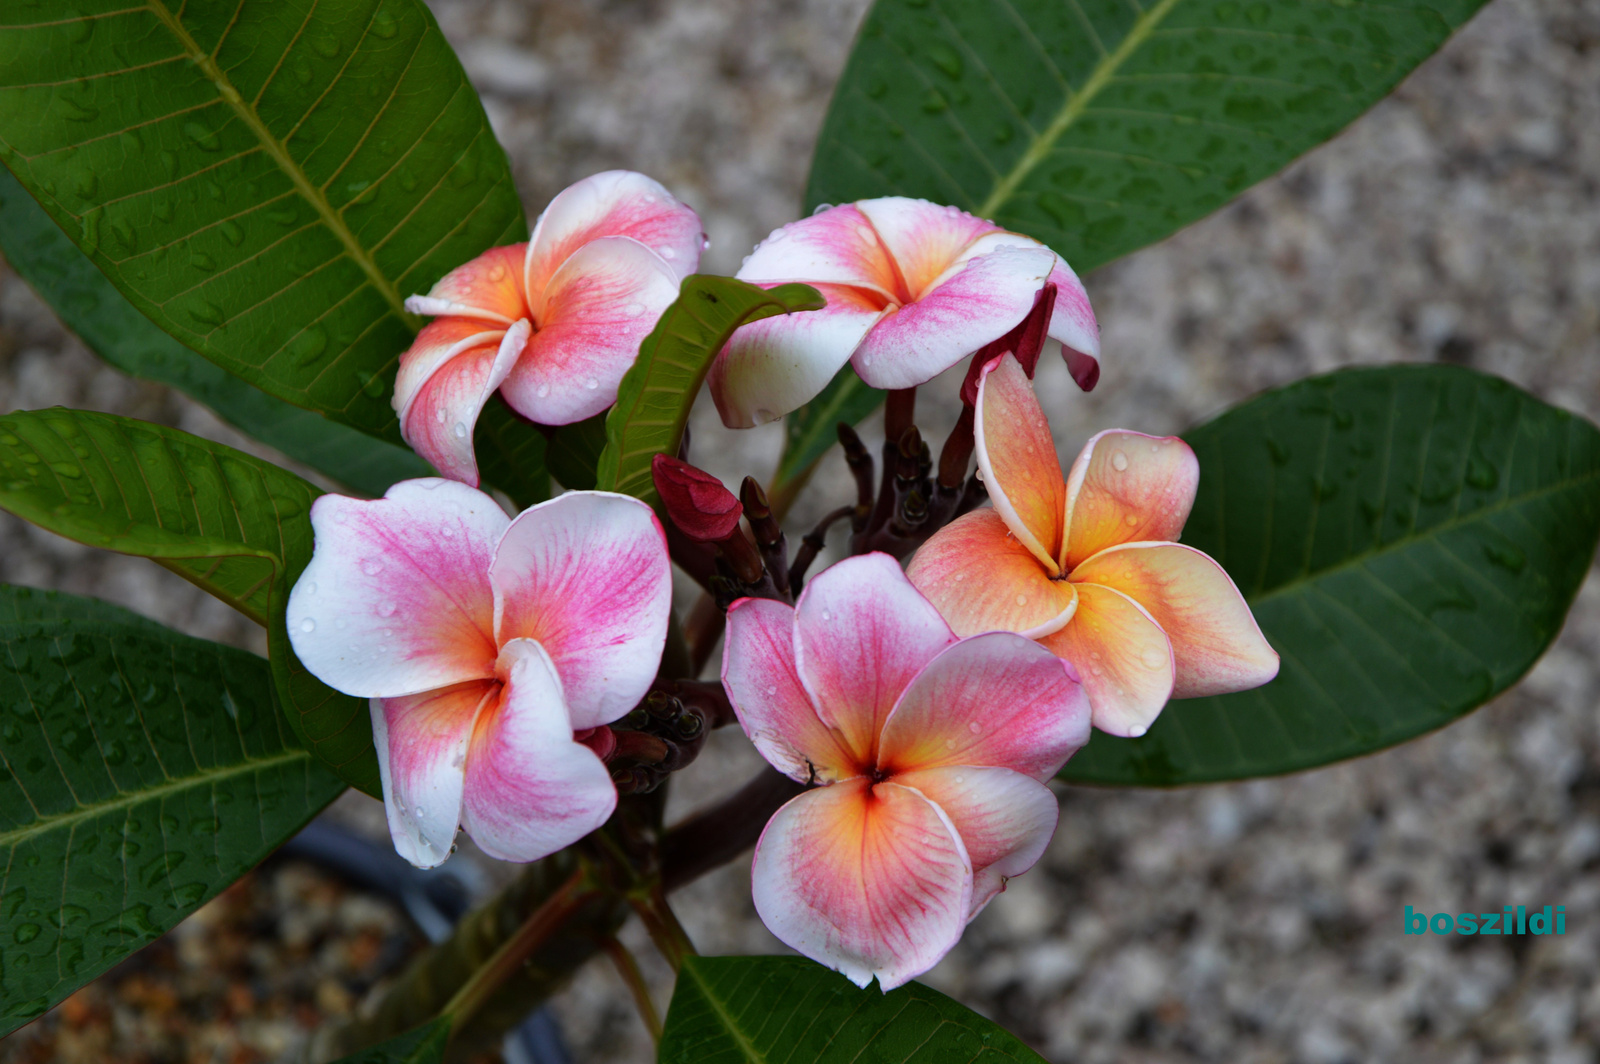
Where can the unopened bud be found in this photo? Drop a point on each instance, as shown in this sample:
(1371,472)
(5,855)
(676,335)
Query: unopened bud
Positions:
(695,500)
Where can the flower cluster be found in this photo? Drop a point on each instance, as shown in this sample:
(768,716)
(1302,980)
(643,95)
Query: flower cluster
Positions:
(924,711)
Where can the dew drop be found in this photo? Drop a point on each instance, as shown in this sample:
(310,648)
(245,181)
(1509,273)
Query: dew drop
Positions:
(827,616)
(421,812)
(591,384)
(666,252)
(308,625)
(1022,600)
(961,779)
(544,390)
(949,744)
(1153,658)
(438,415)
(1132,519)
(372,568)
(772,689)
(386,609)
(633,310)
(311,587)
(497,273)
(1136,730)
(1119,461)
(974,727)
(460,430)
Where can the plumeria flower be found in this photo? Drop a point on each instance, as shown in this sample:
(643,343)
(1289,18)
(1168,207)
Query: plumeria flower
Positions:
(931,753)
(553,323)
(1087,566)
(483,642)
(912,288)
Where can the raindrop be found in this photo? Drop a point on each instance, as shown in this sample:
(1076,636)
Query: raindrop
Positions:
(961,779)
(1132,519)
(371,568)
(207,139)
(827,616)
(232,232)
(705,242)
(1153,658)
(307,347)
(497,273)
(438,414)
(1022,600)
(1119,461)
(460,430)
(544,390)
(421,812)
(666,252)
(591,384)
(25,933)
(383,25)
(1136,730)
(310,587)
(205,312)
(974,727)
(633,310)
(949,744)
(308,625)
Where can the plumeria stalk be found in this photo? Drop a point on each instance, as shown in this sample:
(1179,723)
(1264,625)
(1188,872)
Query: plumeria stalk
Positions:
(491,647)
(1088,564)
(931,754)
(552,324)
(912,288)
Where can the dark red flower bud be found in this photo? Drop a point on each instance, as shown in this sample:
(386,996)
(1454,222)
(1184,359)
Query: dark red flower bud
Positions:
(1025,341)
(696,501)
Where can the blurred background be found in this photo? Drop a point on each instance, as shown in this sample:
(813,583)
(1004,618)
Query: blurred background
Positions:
(1457,221)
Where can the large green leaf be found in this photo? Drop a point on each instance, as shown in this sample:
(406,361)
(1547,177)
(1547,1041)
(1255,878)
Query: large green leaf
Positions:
(1099,126)
(232,524)
(511,454)
(424,1045)
(267,180)
(811,430)
(92,307)
(788,1010)
(655,396)
(141,772)
(1410,539)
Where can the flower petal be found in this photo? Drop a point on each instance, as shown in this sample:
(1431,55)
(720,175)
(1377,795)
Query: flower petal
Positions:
(758,671)
(868,880)
(597,309)
(982,579)
(1122,656)
(614,203)
(489,288)
(422,741)
(861,633)
(436,344)
(440,417)
(1126,487)
(1072,324)
(396,599)
(530,788)
(587,575)
(995,699)
(983,300)
(773,366)
(1017,458)
(1217,645)
(1005,820)
(835,246)
(924,238)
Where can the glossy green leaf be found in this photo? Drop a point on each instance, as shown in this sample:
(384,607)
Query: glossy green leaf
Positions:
(266,180)
(789,1010)
(234,525)
(1099,126)
(574,452)
(811,430)
(92,307)
(1409,538)
(141,772)
(424,1045)
(511,454)
(655,396)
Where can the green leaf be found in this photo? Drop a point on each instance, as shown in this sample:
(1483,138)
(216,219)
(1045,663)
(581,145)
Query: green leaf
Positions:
(80,294)
(1409,538)
(811,430)
(423,1045)
(142,772)
(234,525)
(655,396)
(788,1010)
(1099,126)
(511,454)
(266,180)
(574,452)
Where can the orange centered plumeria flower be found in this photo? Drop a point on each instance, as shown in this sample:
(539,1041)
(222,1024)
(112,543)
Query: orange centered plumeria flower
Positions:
(1086,564)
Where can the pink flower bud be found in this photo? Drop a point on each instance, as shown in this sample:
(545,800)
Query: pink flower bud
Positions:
(695,500)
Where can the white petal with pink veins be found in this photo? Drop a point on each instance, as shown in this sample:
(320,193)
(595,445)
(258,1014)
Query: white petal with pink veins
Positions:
(758,672)
(596,310)
(587,575)
(985,299)
(861,633)
(439,420)
(872,881)
(1072,322)
(774,366)
(613,203)
(421,742)
(396,599)
(530,788)
(924,238)
(834,246)
(1005,820)
(436,344)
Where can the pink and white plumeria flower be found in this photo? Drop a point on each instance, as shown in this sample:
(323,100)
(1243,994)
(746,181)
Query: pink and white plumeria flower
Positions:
(931,752)
(553,323)
(483,642)
(1086,564)
(912,288)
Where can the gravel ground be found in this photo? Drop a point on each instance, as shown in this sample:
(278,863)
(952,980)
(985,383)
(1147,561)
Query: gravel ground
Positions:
(1459,220)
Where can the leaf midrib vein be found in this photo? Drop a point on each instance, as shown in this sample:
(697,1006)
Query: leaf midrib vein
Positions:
(128,799)
(280,154)
(1076,104)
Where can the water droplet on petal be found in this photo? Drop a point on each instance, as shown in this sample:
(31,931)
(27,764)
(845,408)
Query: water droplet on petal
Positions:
(633,310)
(827,616)
(311,587)
(666,252)
(386,609)
(1022,600)
(772,689)
(1132,519)
(544,390)
(1119,461)
(498,273)
(1137,730)
(460,430)
(591,384)
(372,568)
(308,625)
(422,812)
(974,727)
(1153,658)
(960,779)
(949,744)
(438,415)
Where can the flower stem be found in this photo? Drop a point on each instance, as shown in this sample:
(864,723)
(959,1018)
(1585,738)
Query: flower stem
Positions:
(662,923)
(567,900)
(628,969)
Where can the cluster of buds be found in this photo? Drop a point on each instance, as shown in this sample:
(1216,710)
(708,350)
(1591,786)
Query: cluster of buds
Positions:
(664,733)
